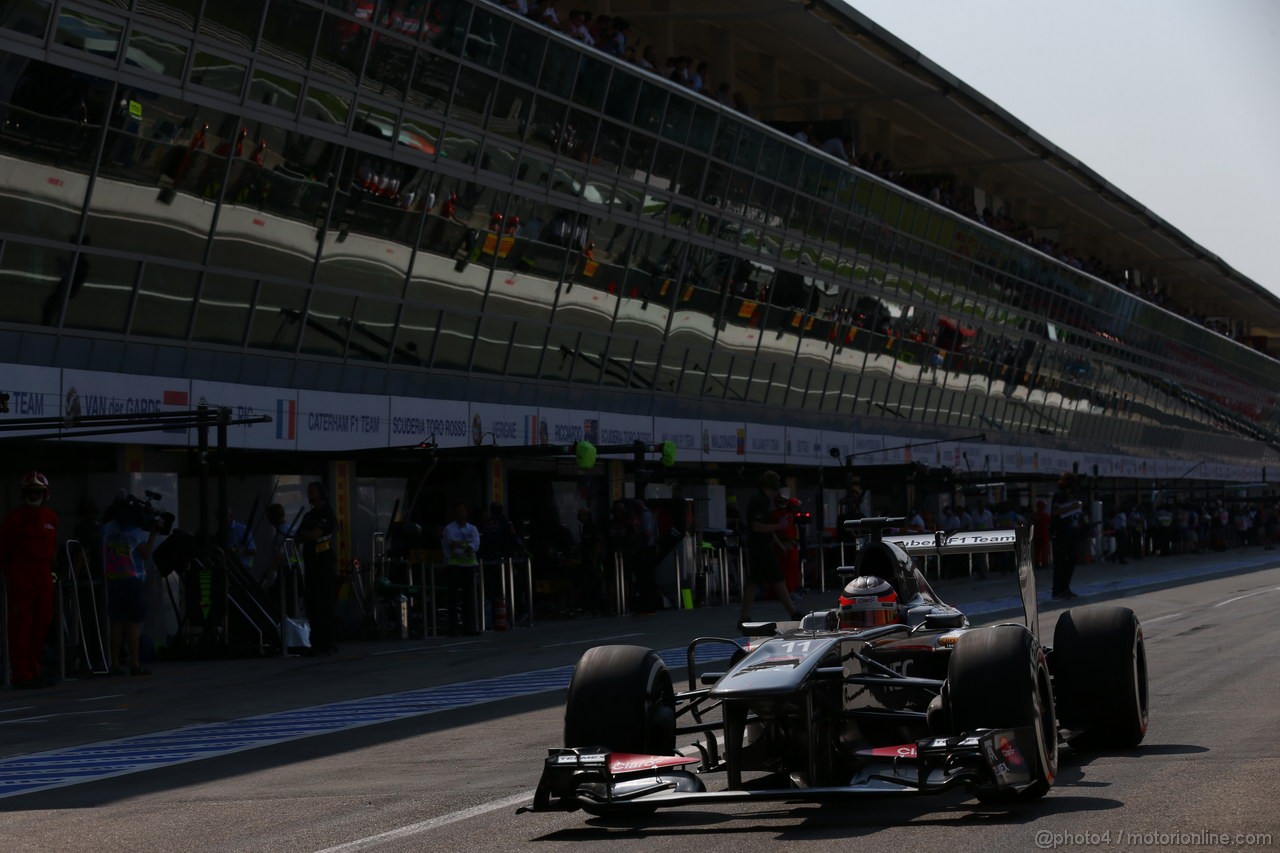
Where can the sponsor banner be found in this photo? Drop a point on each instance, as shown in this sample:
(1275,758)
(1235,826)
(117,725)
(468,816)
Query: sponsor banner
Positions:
(248,401)
(766,443)
(418,419)
(804,447)
(29,392)
(504,426)
(328,420)
(569,426)
(868,449)
(87,392)
(898,450)
(685,433)
(624,429)
(842,441)
(723,441)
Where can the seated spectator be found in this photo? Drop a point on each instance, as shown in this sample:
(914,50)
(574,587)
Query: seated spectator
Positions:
(578,28)
(680,70)
(616,43)
(835,146)
(545,13)
(805,133)
(520,7)
(697,81)
(740,103)
(649,58)
(722,94)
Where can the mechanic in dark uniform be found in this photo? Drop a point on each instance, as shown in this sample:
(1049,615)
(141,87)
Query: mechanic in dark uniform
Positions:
(320,559)
(1067,528)
(762,557)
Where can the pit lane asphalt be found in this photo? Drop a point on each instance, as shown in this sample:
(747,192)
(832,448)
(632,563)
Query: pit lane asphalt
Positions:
(1212,743)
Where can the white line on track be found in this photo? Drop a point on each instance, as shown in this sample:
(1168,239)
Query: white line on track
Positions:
(595,640)
(16,710)
(100,698)
(424,648)
(63,714)
(1247,595)
(1161,618)
(428,825)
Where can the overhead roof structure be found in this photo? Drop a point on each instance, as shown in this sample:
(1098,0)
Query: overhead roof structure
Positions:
(821,59)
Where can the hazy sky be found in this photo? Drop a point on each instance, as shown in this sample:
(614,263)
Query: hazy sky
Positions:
(1176,102)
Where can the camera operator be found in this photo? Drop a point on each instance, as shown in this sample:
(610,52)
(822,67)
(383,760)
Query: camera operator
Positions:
(28,542)
(128,538)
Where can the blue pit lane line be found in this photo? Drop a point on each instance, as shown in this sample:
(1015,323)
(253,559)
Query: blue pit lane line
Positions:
(26,774)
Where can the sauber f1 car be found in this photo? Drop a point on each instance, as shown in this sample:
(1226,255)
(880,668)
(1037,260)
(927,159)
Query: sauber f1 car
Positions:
(830,707)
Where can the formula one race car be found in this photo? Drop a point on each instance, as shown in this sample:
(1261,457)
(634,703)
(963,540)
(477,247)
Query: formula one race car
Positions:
(891,692)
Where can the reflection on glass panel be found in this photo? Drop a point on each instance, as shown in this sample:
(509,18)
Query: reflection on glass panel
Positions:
(486,38)
(328,322)
(378,121)
(329,107)
(372,329)
(432,81)
(593,82)
(702,132)
(274,90)
(157,54)
(29,17)
(620,102)
(222,312)
(277,318)
(417,334)
(340,48)
(665,166)
(527,346)
(232,21)
(524,55)
(650,107)
(583,363)
(373,227)
(420,133)
(675,126)
(498,159)
(559,70)
(289,33)
(644,366)
(216,72)
(102,304)
(637,160)
(460,146)
(165,298)
(473,95)
(54,119)
(37,281)
(547,124)
(388,69)
(89,33)
(512,106)
(454,341)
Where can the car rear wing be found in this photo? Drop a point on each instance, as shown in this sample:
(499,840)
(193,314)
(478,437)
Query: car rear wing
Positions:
(1015,539)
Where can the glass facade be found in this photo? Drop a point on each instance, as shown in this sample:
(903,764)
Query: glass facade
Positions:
(436,188)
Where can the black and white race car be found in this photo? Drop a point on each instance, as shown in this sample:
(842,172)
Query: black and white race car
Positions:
(824,708)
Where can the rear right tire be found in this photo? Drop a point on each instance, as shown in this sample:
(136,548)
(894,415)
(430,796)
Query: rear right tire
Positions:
(1100,675)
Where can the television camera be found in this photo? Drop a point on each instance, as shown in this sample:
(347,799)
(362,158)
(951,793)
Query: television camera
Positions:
(131,511)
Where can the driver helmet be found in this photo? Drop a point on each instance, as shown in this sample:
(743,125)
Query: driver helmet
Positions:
(868,601)
(35,488)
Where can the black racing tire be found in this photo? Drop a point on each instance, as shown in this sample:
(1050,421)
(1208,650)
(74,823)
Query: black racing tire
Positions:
(621,698)
(997,678)
(1100,675)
